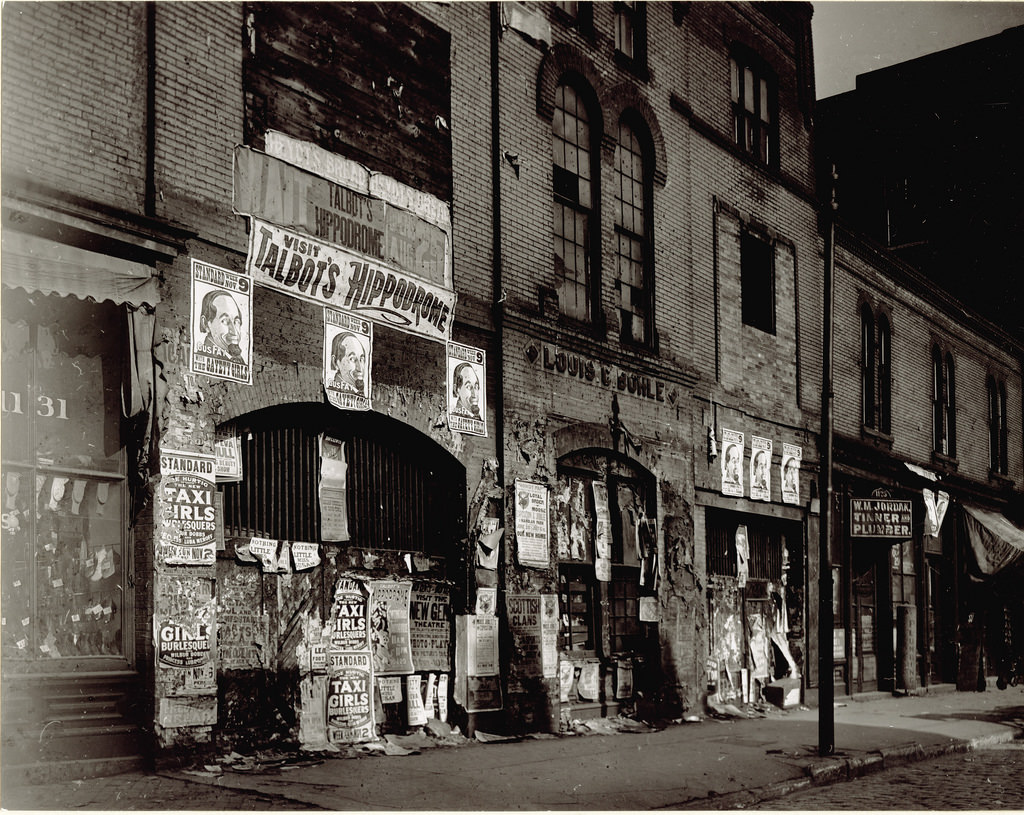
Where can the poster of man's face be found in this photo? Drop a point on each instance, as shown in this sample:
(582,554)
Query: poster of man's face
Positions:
(221,323)
(348,343)
(465,385)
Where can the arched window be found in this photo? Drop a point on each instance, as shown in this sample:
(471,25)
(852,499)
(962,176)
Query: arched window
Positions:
(402,491)
(574,210)
(867,366)
(884,376)
(633,256)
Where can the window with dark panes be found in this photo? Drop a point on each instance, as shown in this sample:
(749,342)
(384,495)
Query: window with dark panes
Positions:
(867,367)
(753,105)
(943,403)
(403,492)
(574,215)
(578,14)
(997,427)
(631,32)
(65,561)
(633,254)
(884,375)
(757,282)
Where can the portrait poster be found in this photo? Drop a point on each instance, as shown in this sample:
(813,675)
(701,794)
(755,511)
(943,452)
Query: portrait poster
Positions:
(486,600)
(390,641)
(348,360)
(790,471)
(333,492)
(465,389)
(221,322)
(188,513)
(532,524)
(430,627)
(350,703)
(732,463)
(760,469)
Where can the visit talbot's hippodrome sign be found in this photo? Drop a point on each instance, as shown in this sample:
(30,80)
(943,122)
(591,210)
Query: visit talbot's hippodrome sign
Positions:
(880,518)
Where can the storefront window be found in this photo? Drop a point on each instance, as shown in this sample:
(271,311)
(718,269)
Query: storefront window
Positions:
(64,561)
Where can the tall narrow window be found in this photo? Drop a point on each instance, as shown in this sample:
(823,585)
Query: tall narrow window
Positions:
(573,211)
(997,427)
(949,409)
(633,254)
(867,367)
(753,104)
(631,33)
(757,282)
(939,443)
(943,403)
(884,376)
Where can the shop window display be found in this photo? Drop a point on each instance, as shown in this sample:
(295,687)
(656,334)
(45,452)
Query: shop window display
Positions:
(64,563)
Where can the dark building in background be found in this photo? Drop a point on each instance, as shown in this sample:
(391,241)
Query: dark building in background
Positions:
(929,166)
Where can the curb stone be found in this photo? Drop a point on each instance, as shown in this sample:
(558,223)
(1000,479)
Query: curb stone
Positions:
(835,771)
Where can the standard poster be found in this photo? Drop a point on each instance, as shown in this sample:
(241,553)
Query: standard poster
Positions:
(791,457)
(430,627)
(221,323)
(732,463)
(348,360)
(760,469)
(332,490)
(350,702)
(188,522)
(532,524)
(389,627)
(467,398)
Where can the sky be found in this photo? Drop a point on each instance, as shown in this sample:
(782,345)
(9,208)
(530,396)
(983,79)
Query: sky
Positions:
(856,36)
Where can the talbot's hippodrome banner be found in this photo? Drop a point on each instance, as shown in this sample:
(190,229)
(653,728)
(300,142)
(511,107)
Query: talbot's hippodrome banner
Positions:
(329,275)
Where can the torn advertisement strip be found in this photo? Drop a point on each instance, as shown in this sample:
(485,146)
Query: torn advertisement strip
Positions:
(332,490)
(487,548)
(305,555)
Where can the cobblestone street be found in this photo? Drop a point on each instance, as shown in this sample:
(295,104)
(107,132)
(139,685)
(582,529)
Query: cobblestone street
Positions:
(987,779)
(138,791)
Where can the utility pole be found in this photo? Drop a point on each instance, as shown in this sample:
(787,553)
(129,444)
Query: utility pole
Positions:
(826,682)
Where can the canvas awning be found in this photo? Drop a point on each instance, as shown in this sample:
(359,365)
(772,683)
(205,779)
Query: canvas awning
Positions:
(38,264)
(995,541)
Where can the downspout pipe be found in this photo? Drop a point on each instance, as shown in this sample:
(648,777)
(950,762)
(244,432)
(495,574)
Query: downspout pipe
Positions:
(826,682)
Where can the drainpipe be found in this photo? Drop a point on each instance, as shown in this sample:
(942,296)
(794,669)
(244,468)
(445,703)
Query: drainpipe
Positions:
(149,194)
(826,684)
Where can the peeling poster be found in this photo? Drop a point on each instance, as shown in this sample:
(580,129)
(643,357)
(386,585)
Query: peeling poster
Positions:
(242,639)
(187,711)
(389,626)
(332,490)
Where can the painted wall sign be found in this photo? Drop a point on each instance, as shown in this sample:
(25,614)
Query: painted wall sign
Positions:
(328,275)
(430,627)
(881,518)
(577,366)
(188,527)
(532,524)
(275,191)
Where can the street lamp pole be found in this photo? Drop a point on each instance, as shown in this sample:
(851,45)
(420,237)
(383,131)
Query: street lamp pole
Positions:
(826,685)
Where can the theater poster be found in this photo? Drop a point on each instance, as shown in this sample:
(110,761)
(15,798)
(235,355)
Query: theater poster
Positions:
(348,360)
(221,323)
(467,399)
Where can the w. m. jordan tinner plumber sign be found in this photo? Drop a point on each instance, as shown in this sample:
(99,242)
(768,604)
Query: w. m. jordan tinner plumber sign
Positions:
(881,518)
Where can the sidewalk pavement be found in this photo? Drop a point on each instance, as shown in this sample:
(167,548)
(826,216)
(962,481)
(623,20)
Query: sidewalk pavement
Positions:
(710,764)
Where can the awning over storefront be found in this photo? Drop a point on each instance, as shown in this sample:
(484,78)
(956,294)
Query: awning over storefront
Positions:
(38,264)
(995,541)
